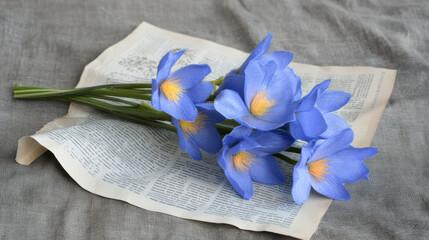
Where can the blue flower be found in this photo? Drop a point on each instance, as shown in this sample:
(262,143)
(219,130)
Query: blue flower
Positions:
(327,164)
(270,96)
(314,117)
(175,93)
(235,79)
(200,133)
(246,156)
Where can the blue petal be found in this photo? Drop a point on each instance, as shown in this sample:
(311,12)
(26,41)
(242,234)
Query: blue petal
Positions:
(237,134)
(281,58)
(253,122)
(183,110)
(282,113)
(312,123)
(234,83)
(260,50)
(155,96)
(193,151)
(223,157)
(244,145)
(230,105)
(255,79)
(271,142)
(321,87)
(208,139)
(267,171)
(166,63)
(213,116)
(200,92)
(285,86)
(333,144)
(188,146)
(335,125)
(182,139)
(331,101)
(331,187)
(301,183)
(281,85)
(191,75)
(306,153)
(309,101)
(348,164)
(296,130)
(241,182)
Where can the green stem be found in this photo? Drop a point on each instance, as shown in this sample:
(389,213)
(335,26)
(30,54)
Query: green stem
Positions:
(284,158)
(128,93)
(294,150)
(218,81)
(37,92)
(113,99)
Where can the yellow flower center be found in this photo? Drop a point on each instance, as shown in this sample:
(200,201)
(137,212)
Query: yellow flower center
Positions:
(190,128)
(319,168)
(172,89)
(261,104)
(242,161)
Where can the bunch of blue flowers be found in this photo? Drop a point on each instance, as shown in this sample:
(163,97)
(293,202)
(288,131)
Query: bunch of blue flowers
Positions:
(257,108)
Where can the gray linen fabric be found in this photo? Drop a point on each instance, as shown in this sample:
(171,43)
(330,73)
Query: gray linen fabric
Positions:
(47,43)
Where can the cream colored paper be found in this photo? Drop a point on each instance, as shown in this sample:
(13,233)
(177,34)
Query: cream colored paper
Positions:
(145,167)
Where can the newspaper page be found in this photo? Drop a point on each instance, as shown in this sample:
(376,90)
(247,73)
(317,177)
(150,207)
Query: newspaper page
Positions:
(144,166)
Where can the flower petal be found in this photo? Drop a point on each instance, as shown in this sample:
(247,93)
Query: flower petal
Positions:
(182,139)
(184,109)
(241,182)
(271,142)
(335,125)
(331,187)
(259,50)
(301,183)
(244,145)
(266,170)
(200,92)
(230,104)
(279,86)
(308,102)
(253,122)
(213,116)
(312,123)
(286,86)
(256,78)
(155,96)
(191,75)
(281,113)
(330,101)
(237,134)
(208,139)
(281,58)
(348,164)
(333,144)
(166,63)
(233,82)
(193,150)
(188,146)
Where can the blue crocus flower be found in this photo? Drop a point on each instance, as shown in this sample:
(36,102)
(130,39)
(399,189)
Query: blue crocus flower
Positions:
(235,79)
(175,93)
(314,117)
(200,133)
(246,157)
(270,96)
(327,164)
